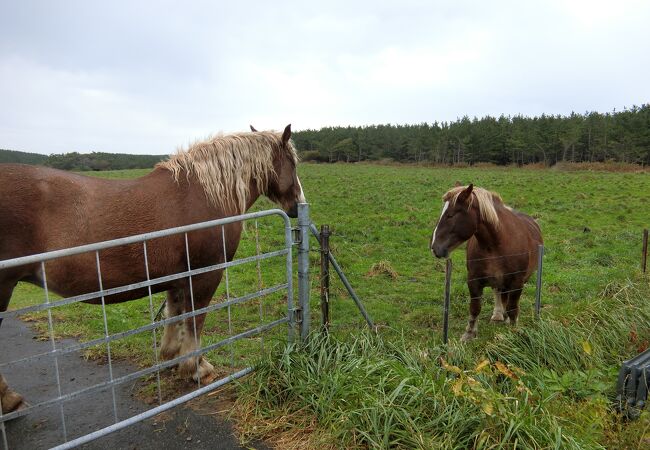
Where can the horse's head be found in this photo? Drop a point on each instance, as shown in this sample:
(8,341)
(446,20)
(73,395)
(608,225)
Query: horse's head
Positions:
(458,222)
(285,188)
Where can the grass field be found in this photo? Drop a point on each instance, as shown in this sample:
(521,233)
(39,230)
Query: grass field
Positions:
(391,391)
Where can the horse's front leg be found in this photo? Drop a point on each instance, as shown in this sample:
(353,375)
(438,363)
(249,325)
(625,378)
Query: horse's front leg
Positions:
(500,301)
(173,334)
(9,400)
(512,307)
(196,366)
(476,294)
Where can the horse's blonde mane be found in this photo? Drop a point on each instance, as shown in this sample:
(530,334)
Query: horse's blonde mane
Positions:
(486,202)
(226,165)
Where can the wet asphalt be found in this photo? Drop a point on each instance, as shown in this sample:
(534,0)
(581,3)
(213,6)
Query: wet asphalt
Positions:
(196,425)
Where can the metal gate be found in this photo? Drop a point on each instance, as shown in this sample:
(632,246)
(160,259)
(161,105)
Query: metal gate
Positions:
(291,318)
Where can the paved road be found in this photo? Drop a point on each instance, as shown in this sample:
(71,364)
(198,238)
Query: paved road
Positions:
(193,426)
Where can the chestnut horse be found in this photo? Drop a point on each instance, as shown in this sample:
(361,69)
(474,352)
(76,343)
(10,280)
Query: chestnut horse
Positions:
(44,209)
(502,246)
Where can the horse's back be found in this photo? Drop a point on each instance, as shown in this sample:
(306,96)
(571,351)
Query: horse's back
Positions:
(24,191)
(529,237)
(41,208)
(513,256)
(532,227)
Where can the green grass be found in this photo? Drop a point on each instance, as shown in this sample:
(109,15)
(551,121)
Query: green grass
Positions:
(382,218)
(543,386)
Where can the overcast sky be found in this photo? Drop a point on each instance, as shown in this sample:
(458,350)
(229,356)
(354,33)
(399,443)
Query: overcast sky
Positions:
(149,76)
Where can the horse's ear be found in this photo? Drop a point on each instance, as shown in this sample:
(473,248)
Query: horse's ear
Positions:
(457,183)
(463,196)
(253,128)
(286,135)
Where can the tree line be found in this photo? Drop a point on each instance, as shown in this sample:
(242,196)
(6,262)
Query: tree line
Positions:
(83,161)
(622,136)
(618,136)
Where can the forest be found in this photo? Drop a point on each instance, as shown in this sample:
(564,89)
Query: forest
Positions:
(622,136)
(82,161)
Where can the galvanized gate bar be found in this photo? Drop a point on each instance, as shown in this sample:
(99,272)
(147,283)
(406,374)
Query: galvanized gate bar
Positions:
(189,268)
(152,412)
(152,317)
(291,311)
(31,259)
(345,281)
(303,269)
(259,279)
(130,287)
(50,327)
(153,325)
(108,344)
(223,241)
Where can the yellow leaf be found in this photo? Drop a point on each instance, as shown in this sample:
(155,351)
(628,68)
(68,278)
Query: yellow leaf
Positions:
(482,365)
(504,370)
(482,439)
(518,371)
(457,387)
(487,408)
(522,388)
(449,367)
(586,346)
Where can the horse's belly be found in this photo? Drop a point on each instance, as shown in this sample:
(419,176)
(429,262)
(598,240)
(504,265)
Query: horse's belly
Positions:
(129,295)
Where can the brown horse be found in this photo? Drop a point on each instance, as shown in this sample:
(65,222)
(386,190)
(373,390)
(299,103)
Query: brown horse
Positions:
(43,209)
(501,249)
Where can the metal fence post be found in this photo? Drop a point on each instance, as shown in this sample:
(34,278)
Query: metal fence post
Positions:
(445,311)
(538,292)
(346,283)
(644,252)
(325,276)
(303,269)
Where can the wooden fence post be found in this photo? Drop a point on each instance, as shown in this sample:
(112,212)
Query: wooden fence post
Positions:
(325,276)
(538,291)
(445,311)
(644,252)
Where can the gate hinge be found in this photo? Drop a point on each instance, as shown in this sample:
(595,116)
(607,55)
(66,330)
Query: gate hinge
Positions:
(296,236)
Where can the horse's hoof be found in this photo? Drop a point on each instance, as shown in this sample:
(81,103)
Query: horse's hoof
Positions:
(206,372)
(12,401)
(209,378)
(497,318)
(188,369)
(468,336)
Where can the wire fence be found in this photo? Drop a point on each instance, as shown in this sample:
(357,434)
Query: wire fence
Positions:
(566,276)
(121,330)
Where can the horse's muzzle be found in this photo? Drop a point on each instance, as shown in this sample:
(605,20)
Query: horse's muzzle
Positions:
(293,211)
(439,252)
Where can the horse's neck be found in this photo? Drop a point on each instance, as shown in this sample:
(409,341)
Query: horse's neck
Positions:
(253,194)
(487,235)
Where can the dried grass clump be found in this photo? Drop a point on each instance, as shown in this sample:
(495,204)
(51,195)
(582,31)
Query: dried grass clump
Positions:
(382,268)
